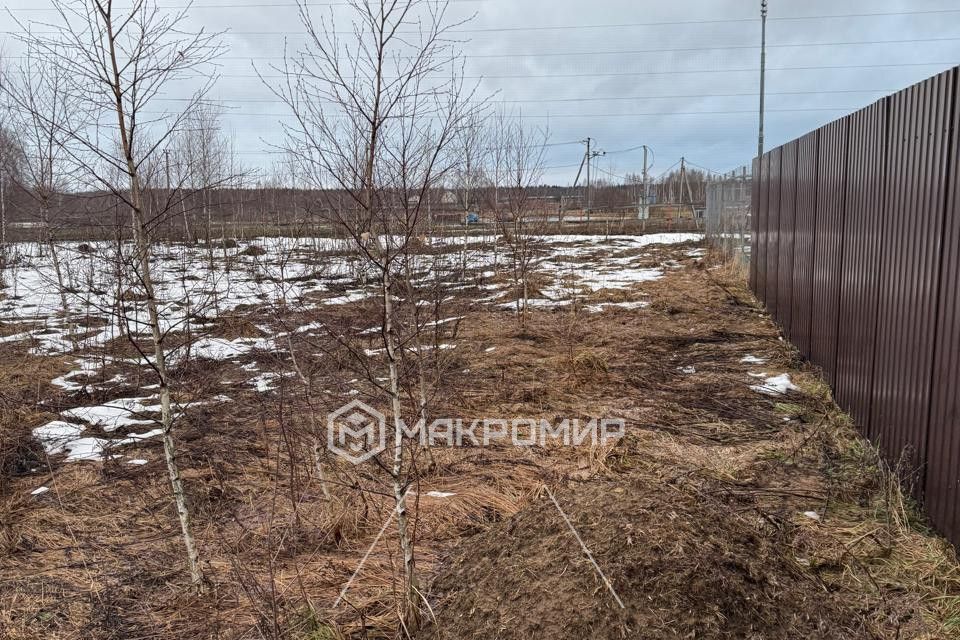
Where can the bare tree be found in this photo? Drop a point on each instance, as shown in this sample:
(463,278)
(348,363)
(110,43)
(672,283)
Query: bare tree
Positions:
(43,113)
(468,177)
(375,119)
(202,154)
(11,168)
(515,168)
(115,63)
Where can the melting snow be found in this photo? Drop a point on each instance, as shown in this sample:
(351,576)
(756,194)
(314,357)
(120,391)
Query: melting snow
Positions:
(355,296)
(114,414)
(634,304)
(264,382)
(776,386)
(287,272)
(223,349)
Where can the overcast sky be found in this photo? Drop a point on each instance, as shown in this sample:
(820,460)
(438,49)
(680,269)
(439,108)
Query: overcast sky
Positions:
(629,72)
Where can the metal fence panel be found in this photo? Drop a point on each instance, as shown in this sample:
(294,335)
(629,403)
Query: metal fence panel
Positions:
(861,264)
(828,255)
(763,216)
(773,230)
(754,221)
(788,208)
(728,217)
(875,281)
(803,247)
(911,251)
(942,487)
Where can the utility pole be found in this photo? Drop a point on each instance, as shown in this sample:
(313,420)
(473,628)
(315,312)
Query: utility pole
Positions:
(588,157)
(763,69)
(645,197)
(166,157)
(683,177)
(588,198)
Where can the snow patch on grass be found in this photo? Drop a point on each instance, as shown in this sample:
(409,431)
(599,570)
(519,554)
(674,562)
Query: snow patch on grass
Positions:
(776,385)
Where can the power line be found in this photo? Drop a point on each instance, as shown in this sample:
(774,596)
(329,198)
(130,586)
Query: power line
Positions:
(223,101)
(553,54)
(642,73)
(666,171)
(701,167)
(636,148)
(247,114)
(610,173)
(245,5)
(620,25)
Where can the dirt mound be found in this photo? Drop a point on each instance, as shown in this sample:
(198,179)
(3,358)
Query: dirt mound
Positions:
(683,567)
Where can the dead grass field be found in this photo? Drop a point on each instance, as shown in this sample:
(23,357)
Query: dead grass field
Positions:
(723,513)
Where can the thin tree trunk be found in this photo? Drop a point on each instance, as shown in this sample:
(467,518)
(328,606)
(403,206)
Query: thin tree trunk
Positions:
(186,220)
(209,232)
(61,286)
(3,212)
(166,412)
(142,245)
(318,445)
(54,256)
(411,613)
(421,378)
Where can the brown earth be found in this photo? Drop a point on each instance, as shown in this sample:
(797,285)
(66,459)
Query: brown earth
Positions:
(696,516)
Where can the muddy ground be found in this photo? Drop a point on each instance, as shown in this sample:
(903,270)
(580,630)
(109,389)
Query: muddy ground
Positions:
(726,511)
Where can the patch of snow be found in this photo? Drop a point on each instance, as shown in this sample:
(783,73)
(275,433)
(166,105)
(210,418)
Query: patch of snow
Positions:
(137,437)
(137,461)
(263,382)
(443,321)
(115,413)
(355,296)
(223,349)
(544,303)
(633,304)
(85,449)
(39,491)
(776,386)
(16,337)
(57,431)
(307,328)
(749,359)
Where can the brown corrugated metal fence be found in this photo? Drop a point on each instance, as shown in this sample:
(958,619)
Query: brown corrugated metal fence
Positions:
(803,232)
(856,253)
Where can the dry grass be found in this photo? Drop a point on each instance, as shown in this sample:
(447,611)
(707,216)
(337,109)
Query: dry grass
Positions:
(98,556)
